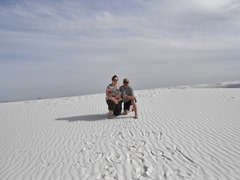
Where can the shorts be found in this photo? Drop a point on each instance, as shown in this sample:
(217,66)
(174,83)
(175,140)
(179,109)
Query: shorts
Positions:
(127,105)
(111,105)
(116,108)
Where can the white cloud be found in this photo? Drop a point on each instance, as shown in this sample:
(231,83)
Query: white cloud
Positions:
(218,5)
(174,41)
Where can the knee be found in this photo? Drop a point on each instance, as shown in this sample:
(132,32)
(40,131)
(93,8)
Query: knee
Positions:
(133,102)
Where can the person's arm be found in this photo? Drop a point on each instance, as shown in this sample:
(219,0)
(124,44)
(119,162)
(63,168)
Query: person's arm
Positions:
(131,95)
(119,94)
(109,97)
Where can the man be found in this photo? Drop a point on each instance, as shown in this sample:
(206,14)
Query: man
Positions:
(128,97)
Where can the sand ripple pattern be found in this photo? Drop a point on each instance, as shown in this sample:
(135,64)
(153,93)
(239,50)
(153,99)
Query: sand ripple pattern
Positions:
(181,134)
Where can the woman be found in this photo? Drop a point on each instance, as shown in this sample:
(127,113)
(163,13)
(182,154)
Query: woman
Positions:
(113,98)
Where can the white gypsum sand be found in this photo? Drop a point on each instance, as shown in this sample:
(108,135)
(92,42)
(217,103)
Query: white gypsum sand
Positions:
(180,134)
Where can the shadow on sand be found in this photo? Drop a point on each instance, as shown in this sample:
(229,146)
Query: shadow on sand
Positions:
(91,117)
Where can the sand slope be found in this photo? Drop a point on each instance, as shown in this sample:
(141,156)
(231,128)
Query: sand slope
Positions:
(180,134)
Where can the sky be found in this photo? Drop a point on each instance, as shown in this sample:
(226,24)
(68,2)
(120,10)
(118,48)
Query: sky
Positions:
(61,48)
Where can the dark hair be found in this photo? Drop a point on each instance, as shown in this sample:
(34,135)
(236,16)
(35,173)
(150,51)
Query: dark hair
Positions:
(115,76)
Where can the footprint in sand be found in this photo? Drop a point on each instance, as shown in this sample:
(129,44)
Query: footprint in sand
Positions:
(94,157)
(108,172)
(139,165)
(158,135)
(120,135)
(88,145)
(77,165)
(108,134)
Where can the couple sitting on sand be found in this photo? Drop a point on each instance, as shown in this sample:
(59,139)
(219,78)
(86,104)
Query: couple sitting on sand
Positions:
(115,96)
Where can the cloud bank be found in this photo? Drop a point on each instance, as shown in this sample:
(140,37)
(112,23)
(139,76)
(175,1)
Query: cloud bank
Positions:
(64,48)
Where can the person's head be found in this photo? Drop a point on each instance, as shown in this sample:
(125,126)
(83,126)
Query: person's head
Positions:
(125,82)
(115,79)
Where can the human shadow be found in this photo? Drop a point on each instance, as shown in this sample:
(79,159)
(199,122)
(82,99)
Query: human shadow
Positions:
(90,117)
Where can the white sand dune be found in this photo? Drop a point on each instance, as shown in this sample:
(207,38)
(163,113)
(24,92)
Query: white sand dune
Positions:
(180,134)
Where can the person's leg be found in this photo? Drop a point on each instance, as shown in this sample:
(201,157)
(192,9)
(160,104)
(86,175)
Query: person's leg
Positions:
(131,107)
(111,107)
(118,109)
(126,112)
(126,107)
(110,114)
(135,109)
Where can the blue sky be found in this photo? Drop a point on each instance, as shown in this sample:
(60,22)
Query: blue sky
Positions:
(66,48)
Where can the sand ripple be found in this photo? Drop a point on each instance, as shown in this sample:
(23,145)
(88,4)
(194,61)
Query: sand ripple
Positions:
(180,134)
